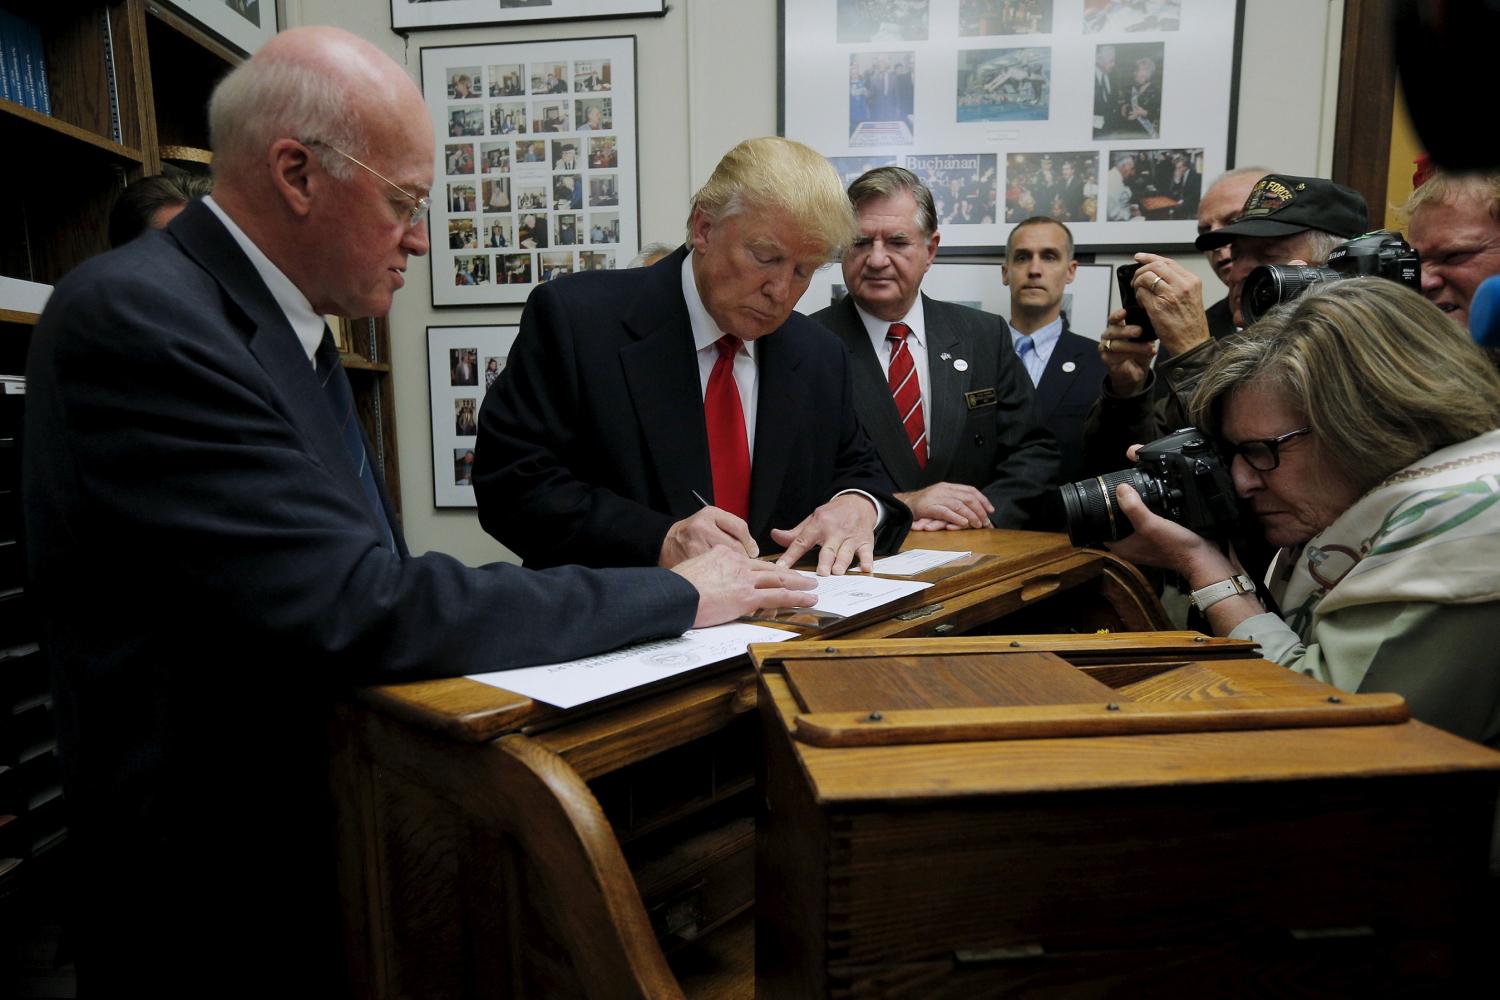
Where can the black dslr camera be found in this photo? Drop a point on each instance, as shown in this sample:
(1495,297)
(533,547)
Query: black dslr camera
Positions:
(1381,254)
(1180,477)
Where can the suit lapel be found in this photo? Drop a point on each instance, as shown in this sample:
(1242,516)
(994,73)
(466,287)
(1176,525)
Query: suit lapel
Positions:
(946,385)
(878,415)
(276,348)
(1055,381)
(661,373)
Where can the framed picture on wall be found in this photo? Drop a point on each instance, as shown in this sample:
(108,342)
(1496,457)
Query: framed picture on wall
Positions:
(244,24)
(408,14)
(979,286)
(536,164)
(462,363)
(1105,114)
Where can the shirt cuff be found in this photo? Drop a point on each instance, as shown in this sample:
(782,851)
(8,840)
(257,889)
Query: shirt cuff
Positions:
(1278,642)
(879,507)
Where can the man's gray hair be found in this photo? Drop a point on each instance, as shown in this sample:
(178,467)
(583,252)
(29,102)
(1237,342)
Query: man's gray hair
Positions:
(263,100)
(886,182)
(650,254)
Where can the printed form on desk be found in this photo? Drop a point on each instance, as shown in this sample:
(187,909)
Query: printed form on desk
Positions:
(578,681)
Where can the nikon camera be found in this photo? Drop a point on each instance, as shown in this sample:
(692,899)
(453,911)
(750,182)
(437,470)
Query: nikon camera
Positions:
(1381,254)
(1180,477)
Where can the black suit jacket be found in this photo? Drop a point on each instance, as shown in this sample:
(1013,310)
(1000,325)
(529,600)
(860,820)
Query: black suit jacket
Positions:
(592,441)
(209,580)
(998,446)
(1063,397)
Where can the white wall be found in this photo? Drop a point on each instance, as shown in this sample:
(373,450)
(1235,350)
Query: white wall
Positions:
(707,76)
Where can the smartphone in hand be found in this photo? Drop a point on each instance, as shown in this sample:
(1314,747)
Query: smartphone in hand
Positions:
(1135,313)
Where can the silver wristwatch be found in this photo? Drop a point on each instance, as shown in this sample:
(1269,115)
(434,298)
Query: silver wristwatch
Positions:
(1206,597)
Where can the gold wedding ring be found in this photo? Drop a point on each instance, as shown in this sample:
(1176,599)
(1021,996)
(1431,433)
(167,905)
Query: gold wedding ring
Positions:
(1155,283)
(1108,344)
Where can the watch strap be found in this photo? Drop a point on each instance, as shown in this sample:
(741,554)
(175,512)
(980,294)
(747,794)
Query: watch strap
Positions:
(1206,597)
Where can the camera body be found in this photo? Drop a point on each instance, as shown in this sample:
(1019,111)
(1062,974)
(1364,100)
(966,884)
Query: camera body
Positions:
(1381,254)
(1180,477)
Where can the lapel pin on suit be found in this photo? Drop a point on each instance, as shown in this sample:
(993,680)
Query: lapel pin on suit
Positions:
(960,365)
(1068,366)
(945,356)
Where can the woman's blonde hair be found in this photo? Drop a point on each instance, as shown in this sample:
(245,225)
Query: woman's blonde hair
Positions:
(1382,376)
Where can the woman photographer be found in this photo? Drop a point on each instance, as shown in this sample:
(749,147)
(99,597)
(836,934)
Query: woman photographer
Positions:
(1361,427)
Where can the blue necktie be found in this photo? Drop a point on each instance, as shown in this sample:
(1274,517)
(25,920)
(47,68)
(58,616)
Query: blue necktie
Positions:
(340,397)
(1026,351)
(1023,346)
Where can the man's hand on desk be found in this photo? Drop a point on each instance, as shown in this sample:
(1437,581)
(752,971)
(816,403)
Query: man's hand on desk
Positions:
(731,584)
(843,529)
(950,506)
(693,536)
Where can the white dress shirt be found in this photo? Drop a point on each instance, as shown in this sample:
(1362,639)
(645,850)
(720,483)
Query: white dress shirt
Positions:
(706,336)
(306,323)
(916,343)
(1043,342)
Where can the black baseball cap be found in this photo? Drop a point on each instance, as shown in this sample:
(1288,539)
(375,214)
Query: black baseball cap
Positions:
(1280,205)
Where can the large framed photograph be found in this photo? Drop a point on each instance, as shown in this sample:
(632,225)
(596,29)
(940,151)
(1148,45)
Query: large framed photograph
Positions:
(536,164)
(462,363)
(1105,114)
(979,286)
(244,24)
(407,14)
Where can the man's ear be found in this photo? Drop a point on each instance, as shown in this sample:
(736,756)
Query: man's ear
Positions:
(293,174)
(1005,274)
(1072,270)
(699,229)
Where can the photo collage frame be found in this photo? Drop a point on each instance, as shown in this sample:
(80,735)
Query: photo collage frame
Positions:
(1105,114)
(536,164)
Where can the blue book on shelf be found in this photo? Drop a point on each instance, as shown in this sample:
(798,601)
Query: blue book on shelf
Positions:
(38,52)
(14,64)
(27,70)
(7,85)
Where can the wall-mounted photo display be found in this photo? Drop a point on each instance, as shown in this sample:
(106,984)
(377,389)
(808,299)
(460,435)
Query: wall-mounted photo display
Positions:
(419,14)
(1106,114)
(536,153)
(462,363)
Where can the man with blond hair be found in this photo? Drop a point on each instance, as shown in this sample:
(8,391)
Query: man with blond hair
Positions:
(645,416)
(1453,221)
(195,481)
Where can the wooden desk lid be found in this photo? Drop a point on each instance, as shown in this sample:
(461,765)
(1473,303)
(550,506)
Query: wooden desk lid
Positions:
(935,695)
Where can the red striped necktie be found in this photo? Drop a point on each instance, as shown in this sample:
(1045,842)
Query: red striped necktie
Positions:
(728,448)
(907,391)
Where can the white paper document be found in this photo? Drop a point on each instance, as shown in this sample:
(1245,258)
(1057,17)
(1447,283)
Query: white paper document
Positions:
(849,595)
(579,681)
(914,561)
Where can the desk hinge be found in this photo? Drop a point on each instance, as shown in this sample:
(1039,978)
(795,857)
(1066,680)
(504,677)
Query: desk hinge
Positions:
(922,612)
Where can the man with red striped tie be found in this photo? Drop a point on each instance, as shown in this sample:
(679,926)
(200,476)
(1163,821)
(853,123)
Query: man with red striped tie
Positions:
(646,415)
(937,385)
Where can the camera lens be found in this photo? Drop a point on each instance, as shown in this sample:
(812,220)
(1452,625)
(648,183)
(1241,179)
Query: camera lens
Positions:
(1270,285)
(1092,512)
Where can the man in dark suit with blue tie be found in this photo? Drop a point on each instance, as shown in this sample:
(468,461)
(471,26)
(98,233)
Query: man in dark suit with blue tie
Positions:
(937,385)
(1064,367)
(215,563)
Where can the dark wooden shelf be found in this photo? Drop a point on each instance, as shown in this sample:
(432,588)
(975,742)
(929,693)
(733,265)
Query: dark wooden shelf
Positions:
(48,124)
(354,362)
(19,318)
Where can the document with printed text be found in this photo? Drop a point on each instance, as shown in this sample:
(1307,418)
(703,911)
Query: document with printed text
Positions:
(914,561)
(578,681)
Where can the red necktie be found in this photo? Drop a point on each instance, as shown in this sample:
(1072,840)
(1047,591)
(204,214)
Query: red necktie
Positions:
(728,449)
(907,391)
